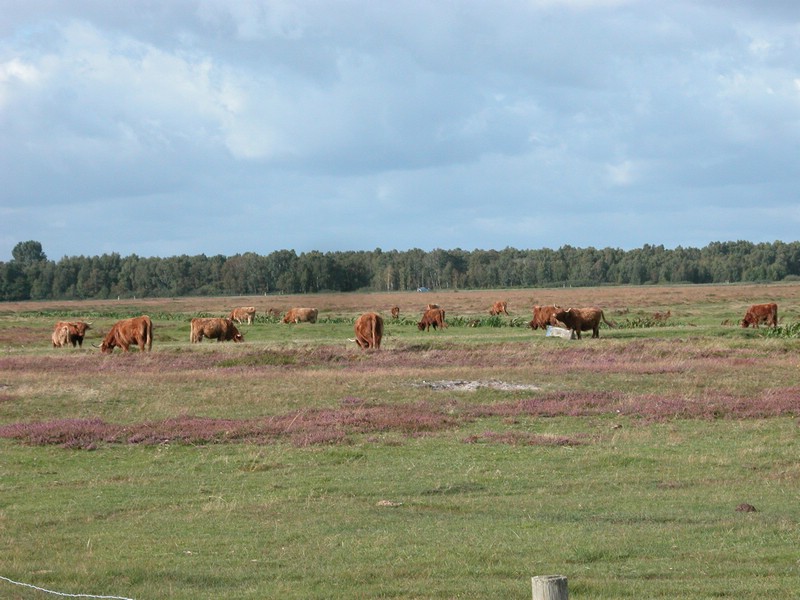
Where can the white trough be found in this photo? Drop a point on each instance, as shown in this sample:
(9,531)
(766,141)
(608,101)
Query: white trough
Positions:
(567,334)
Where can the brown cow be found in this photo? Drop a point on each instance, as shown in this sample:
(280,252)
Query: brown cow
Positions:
(542,315)
(137,330)
(222,329)
(69,332)
(581,319)
(369,331)
(761,313)
(432,317)
(395,312)
(298,315)
(243,313)
(501,306)
(274,312)
(432,306)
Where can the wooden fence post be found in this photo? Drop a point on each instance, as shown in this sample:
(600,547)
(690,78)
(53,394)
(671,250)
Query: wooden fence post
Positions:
(550,587)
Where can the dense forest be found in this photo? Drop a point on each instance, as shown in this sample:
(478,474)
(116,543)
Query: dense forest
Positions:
(29,275)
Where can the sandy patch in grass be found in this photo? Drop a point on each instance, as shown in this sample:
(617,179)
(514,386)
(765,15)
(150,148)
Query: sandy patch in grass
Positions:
(461,385)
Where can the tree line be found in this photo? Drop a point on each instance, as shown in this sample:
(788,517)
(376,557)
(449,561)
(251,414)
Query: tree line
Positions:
(29,275)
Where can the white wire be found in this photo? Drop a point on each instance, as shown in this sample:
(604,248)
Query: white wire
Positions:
(28,585)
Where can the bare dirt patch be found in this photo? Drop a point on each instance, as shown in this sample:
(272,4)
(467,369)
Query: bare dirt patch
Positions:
(461,385)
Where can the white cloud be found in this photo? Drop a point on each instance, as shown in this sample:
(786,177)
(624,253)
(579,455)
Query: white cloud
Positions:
(346,105)
(622,174)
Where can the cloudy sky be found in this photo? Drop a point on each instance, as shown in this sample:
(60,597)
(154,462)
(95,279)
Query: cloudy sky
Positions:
(172,127)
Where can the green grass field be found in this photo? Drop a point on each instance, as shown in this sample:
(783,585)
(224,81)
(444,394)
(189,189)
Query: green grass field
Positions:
(451,464)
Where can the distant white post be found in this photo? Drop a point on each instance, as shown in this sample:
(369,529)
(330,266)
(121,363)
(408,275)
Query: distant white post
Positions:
(550,587)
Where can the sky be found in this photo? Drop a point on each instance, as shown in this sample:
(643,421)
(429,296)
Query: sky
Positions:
(172,127)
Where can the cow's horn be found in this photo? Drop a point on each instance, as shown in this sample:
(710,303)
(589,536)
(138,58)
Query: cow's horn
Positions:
(351,339)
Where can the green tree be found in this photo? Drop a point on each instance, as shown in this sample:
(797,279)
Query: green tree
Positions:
(26,253)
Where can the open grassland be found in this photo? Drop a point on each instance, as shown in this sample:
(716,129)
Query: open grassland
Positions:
(451,464)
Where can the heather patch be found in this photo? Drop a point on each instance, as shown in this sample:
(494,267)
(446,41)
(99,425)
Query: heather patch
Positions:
(356,417)
(68,433)
(301,428)
(650,407)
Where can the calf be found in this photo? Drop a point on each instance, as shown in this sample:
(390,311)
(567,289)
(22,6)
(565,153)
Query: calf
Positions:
(223,330)
(542,315)
(298,315)
(243,313)
(499,307)
(60,337)
(433,317)
(69,332)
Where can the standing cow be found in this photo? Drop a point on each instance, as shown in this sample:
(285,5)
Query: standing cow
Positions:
(223,330)
(761,313)
(369,331)
(243,313)
(581,319)
(299,315)
(60,337)
(69,332)
(125,333)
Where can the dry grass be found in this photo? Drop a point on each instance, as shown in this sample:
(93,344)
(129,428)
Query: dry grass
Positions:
(295,465)
(685,298)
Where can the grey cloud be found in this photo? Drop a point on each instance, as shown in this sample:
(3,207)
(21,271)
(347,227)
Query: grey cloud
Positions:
(634,113)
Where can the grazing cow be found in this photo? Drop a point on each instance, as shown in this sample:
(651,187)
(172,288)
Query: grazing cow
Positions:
(659,316)
(761,313)
(243,313)
(501,306)
(395,312)
(125,333)
(274,312)
(298,315)
(369,331)
(432,306)
(433,317)
(581,319)
(542,316)
(222,329)
(69,332)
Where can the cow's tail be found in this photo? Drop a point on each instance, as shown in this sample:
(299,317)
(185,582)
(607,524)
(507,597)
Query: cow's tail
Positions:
(374,332)
(148,334)
(609,323)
